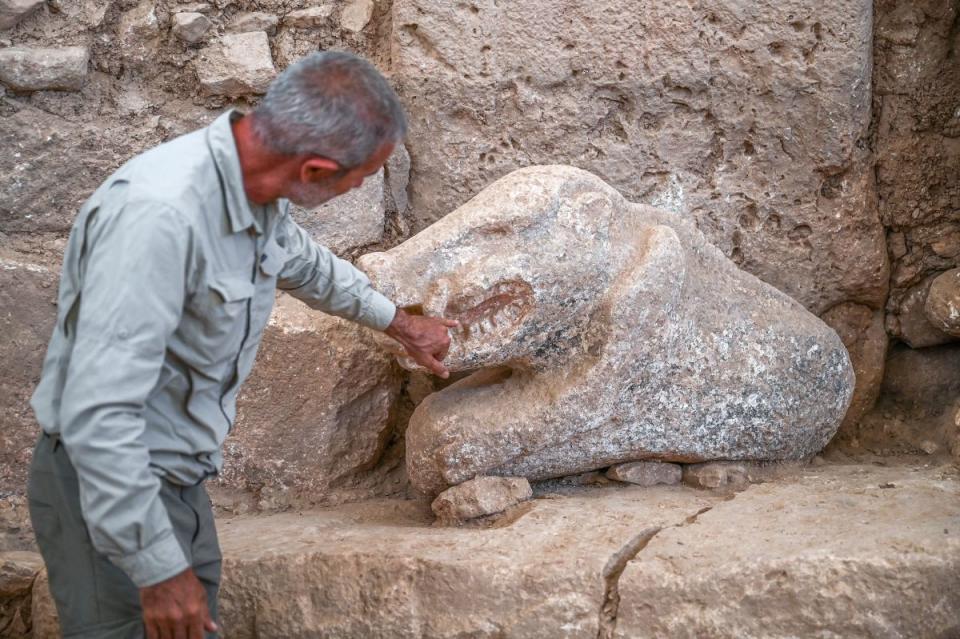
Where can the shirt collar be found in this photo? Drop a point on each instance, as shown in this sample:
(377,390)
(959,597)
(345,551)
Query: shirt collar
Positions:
(224,150)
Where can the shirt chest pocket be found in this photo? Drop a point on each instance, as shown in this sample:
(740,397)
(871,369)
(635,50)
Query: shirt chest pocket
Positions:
(222,315)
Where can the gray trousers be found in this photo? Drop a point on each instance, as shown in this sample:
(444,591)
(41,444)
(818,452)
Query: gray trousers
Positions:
(94,598)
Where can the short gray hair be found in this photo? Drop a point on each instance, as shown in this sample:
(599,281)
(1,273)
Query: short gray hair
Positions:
(332,104)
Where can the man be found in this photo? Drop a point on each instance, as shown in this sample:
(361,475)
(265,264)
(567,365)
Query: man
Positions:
(168,281)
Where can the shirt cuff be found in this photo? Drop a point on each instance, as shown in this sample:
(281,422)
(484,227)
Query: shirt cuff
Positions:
(157,562)
(378,312)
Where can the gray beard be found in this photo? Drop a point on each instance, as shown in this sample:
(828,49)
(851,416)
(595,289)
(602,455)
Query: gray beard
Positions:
(309,196)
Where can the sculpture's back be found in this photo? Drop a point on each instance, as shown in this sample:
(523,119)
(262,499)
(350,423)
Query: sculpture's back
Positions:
(615,332)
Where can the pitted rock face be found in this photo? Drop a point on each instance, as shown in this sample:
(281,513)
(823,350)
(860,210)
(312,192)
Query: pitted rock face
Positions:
(602,332)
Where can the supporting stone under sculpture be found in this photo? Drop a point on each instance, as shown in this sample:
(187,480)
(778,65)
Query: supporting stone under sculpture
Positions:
(604,332)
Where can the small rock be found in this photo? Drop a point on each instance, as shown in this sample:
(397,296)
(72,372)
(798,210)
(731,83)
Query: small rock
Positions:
(646,473)
(138,35)
(480,496)
(13,11)
(190,27)
(17,571)
(929,447)
(240,64)
(356,15)
(39,69)
(942,306)
(254,21)
(706,475)
(915,325)
(309,18)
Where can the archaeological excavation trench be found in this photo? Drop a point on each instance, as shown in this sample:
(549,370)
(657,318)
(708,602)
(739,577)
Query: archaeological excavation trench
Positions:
(706,263)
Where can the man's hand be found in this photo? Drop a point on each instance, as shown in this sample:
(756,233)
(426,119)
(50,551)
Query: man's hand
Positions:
(426,339)
(176,608)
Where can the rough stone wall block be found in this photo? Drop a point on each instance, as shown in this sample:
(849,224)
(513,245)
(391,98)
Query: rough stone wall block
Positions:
(13,11)
(606,332)
(43,68)
(239,64)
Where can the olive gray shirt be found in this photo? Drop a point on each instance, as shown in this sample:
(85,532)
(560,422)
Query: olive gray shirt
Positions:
(168,281)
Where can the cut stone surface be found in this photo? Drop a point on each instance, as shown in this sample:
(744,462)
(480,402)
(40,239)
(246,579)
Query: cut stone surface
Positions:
(255,21)
(703,109)
(480,496)
(350,221)
(43,68)
(13,11)
(942,306)
(841,551)
(240,64)
(309,18)
(863,334)
(646,473)
(315,413)
(837,551)
(190,27)
(648,344)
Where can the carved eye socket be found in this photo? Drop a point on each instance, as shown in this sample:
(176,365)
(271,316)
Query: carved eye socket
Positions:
(498,309)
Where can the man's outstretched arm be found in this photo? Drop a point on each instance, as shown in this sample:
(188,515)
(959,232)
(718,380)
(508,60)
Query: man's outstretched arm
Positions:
(131,300)
(327,283)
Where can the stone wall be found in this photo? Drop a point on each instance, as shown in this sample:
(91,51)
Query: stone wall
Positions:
(815,145)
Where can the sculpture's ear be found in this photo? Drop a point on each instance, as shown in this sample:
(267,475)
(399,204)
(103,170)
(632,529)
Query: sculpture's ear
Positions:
(647,293)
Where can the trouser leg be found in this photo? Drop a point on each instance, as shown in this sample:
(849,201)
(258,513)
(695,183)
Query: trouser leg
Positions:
(94,598)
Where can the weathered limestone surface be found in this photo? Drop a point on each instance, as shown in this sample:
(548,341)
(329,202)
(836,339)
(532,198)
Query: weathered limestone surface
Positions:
(315,413)
(826,553)
(479,497)
(239,64)
(254,21)
(13,11)
(610,332)
(43,68)
(749,117)
(190,26)
(840,552)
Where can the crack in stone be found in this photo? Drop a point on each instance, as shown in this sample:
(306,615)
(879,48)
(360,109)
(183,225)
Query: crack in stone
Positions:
(617,563)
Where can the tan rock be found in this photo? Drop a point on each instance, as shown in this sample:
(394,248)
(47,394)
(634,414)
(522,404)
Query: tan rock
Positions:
(807,553)
(644,473)
(45,620)
(863,334)
(397,177)
(942,306)
(17,572)
(13,11)
(356,15)
(479,497)
(703,109)
(650,344)
(350,221)
(309,18)
(190,27)
(138,36)
(315,413)
(254,21)
(913,325)
(43,68)
(240,64)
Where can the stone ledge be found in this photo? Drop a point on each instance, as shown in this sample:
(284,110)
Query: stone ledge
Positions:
(840,550)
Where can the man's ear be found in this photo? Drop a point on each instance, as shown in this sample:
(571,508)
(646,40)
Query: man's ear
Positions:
(318,168)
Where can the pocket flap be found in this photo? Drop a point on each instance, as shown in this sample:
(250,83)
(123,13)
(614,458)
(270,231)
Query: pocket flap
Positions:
(273,258)
(232,288)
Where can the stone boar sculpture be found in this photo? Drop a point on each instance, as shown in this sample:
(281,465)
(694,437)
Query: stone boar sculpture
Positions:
(603,331)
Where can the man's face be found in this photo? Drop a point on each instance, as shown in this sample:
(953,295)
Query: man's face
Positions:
(311,194)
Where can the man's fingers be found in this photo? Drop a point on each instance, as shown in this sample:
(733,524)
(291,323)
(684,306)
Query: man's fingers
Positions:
(438,369)
(151,629)
(210,626)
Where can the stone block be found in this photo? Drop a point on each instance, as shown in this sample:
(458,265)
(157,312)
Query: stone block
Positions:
(910,321)
(138,36)
(190,27)
(704,109)
(646,473)
(239,64)
(648,344)
(27,314)
(942,306)
(254,21)
(356,14)
(349,221)
(479,497)
(315,413)
(43,68)
(18,571)
(13,11)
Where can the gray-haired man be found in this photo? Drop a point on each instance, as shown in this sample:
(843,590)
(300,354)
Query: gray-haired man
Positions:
(168,281)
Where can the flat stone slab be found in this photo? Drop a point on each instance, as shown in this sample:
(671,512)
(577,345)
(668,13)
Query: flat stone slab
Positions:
(832,551)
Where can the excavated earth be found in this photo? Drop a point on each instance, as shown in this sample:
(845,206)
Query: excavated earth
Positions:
(868,549)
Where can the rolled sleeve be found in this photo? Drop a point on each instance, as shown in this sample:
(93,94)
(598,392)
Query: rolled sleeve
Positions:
(130,303)
(327,283)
